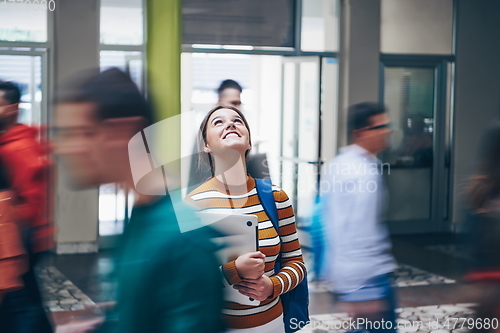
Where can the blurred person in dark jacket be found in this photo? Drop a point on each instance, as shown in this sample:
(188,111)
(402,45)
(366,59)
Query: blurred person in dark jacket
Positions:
(168,281)
(25,165)
(483,236)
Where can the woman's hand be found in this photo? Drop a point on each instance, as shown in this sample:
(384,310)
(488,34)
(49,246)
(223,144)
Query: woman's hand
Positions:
(259,289)
(250,265)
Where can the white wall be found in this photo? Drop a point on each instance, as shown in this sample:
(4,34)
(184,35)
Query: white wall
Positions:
(416,26)
(76,41)
(359,58)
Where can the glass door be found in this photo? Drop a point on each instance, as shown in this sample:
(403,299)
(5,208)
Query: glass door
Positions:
(300,132)
(415,94)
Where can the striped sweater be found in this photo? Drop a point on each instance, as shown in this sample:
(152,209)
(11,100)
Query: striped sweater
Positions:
(214,197)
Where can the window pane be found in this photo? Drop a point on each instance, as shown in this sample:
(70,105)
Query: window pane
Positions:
(320,21)
(112,209)
(26,71)
(209,70)
(416,26)
(128,61)
(122,22)
(20,22)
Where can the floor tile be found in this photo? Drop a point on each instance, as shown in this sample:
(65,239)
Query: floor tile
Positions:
(58,293)
(428,319)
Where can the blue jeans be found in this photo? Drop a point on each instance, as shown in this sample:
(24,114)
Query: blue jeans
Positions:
(22,311)
(376,288)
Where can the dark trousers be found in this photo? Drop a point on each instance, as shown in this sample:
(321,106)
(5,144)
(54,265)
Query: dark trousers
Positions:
(21,311)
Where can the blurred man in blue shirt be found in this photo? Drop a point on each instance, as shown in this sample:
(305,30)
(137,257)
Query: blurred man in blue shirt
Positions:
(358,260)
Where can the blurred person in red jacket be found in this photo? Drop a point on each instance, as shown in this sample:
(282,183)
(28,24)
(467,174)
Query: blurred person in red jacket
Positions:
(25,164)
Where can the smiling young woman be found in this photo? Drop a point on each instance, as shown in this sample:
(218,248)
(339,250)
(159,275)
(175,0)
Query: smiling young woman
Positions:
(224,144)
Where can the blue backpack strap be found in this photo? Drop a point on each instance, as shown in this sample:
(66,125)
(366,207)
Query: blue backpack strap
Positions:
(264,188)
(295,302)
(265,192)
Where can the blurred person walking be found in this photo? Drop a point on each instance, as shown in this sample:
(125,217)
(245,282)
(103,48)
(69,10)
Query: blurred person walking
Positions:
(229,93)
(358,260)
(224,142)
(168,281)
(25,165)
(483,234)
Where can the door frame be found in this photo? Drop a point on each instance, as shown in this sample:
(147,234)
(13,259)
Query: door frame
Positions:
(441,187)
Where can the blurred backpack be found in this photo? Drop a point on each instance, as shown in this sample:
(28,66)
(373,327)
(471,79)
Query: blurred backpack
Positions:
(316,232)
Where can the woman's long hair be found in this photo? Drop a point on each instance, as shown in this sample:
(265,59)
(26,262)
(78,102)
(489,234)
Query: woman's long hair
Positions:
(485,184)
(205,160)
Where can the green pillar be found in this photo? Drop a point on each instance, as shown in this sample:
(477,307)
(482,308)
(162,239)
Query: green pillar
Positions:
(164,39)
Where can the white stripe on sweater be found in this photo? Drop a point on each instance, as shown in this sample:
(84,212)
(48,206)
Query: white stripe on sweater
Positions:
(287,221)
(289,278)
(289,238)
(252,311)
(269,242)
(218,195)
(294,272)
(291,254)
(284,204)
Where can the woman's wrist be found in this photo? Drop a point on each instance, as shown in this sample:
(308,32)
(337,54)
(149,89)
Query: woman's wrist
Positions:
(231,272)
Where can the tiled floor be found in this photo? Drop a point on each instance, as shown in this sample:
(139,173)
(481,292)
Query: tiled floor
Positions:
(60,294)
(404,276)
(428,278)
(435,318)
(409,276)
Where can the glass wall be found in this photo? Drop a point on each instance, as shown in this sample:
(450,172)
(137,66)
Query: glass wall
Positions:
(260,78)
(416,42)
(128,61)
(122,46)
(26,71)
(113,204)
(268,82)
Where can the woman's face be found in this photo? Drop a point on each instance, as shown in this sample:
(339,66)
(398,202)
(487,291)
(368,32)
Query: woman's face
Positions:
(226,129)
